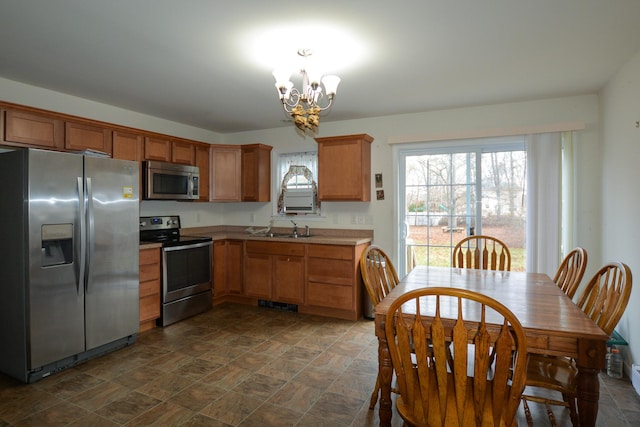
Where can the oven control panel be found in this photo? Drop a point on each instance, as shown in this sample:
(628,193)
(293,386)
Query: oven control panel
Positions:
(159,222)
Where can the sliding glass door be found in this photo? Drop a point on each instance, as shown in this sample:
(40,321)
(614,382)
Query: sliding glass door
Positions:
(448,192)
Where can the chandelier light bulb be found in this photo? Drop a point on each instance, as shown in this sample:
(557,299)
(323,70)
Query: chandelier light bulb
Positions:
(282,76)
(331,85)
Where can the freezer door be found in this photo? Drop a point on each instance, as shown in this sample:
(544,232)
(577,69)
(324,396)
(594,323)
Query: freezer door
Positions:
(56,301)
(112,287)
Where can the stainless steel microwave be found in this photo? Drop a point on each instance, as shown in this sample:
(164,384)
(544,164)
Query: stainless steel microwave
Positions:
(170,181)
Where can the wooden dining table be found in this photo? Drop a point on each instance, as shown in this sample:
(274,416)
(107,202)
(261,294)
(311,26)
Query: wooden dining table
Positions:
(554,325)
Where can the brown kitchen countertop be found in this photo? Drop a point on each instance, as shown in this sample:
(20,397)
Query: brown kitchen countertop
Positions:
(324,236)
(150,245)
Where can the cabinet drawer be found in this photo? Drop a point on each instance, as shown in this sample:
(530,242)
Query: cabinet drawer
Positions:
(331,296)
(149,272)
(149,256)
(331,251)
(149,287)
(275,248)
(339,272)
(149,307)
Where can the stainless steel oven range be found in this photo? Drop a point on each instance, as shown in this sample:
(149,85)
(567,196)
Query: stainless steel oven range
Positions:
(186,268)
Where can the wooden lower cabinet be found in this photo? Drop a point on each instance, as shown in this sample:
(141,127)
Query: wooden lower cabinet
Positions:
(288,274)
(274,271)
(149,288)
(334,282)
(227,269)
(321,279)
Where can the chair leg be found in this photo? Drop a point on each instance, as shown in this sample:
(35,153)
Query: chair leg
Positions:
(374,395)
(552,418)
(527,412)
(573,410)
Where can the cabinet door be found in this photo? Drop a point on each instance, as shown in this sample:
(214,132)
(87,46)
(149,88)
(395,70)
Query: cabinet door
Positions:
(226,174)
(183,153)
(149,287)
(257,276)
(235,249)
(256,173)
(344,168)
(127,146)
(34,130)
(202,162)
(288,279)
(219,265)
(157,149)
(80,136)
(227,267)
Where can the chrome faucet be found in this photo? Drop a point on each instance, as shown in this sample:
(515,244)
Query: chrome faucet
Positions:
(295,228)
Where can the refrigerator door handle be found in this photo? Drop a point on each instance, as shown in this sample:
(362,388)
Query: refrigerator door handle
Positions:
(82,264)
(90,234)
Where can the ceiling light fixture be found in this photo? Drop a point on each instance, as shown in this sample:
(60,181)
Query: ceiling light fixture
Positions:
(304,105)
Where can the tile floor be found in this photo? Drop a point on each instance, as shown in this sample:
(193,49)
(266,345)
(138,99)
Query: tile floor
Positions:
(238,366)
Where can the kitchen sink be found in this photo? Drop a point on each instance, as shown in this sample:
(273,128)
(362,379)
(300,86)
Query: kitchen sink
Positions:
(285,235)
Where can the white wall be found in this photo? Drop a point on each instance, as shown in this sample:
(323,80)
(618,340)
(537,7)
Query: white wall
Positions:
(620,107)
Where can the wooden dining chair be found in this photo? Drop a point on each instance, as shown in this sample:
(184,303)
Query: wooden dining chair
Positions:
(433,357)
(571,271)
(604,300)
(378,273)
(482,252)
(379,277)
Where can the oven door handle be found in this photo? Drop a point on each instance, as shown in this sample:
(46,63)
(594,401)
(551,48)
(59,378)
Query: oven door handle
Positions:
(186,246)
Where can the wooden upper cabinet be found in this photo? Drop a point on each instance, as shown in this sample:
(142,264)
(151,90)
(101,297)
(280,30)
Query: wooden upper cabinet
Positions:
(344,168)
(34,130)
(127,146)
(183,153)
(202,162)
(157,149)
(80,136)
(256,173)
(226,173)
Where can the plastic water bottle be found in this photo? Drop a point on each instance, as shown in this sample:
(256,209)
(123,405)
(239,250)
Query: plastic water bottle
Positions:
(614,367)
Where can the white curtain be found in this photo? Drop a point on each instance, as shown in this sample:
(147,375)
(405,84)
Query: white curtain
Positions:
(308,159)
(544,206)
(568,194)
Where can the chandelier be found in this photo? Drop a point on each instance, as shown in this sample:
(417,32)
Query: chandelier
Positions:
(305,105)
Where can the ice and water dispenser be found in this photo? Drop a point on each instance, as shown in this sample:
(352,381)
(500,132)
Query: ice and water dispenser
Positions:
(57,244)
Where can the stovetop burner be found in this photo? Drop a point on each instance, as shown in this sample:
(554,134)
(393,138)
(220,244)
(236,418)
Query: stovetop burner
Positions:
(166,230)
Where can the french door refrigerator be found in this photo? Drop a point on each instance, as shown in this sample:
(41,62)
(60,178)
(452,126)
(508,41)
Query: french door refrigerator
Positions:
(69,238)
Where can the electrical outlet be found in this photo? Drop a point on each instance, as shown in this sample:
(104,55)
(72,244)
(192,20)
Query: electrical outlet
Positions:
(252,217)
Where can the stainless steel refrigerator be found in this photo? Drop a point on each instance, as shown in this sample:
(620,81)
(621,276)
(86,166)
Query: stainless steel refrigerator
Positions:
(69,243)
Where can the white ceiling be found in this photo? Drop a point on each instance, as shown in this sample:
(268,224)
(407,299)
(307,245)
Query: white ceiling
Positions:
(193,61)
